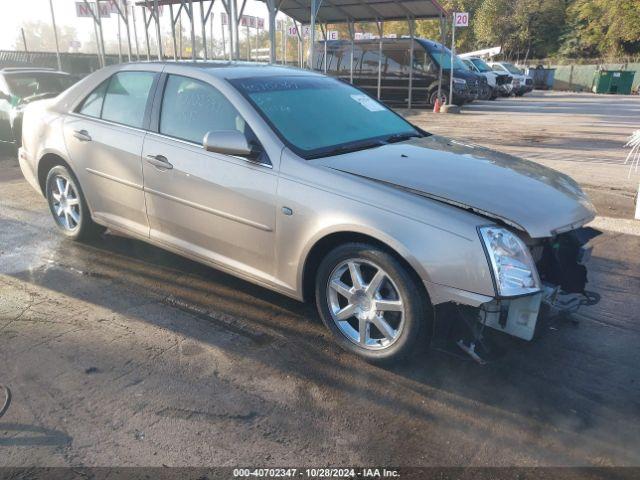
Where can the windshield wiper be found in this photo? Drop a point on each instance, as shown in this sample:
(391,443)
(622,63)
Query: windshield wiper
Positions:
(401,137)
(348,149)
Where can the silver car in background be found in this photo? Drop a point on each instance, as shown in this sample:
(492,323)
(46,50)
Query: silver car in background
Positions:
(308,186)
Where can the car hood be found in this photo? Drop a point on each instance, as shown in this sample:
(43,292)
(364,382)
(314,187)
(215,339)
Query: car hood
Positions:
(465,74)
(523,194)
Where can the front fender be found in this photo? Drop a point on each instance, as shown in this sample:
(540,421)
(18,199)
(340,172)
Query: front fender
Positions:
(452,257)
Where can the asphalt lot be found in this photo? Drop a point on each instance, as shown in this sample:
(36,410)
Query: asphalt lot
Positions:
(119,353)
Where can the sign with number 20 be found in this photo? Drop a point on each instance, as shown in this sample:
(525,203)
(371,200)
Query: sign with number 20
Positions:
(461,19)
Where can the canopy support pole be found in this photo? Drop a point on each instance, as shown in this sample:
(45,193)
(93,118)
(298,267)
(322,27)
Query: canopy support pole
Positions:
(97,25)
(124,15)
(323,29)
(193,30)
(227,8)
(213,49)
(315,7)
(55,35)
(173,31)
(236,31)
(285,34)
(273,11)
(442,40)
(300,42)
(352,36)
(155,14)
(98,51)
(204,17)
(453,52)
(411,55)
(135,31)
(119,37)
(146,32)
(380,26)
(99,22)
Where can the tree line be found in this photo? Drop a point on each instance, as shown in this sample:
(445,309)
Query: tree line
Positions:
(525,29)
(537,29)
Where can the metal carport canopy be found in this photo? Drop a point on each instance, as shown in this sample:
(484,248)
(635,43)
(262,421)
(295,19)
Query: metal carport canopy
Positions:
(341,11)
(312,12)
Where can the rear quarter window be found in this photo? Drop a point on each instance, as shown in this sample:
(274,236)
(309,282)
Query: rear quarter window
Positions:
(92,104)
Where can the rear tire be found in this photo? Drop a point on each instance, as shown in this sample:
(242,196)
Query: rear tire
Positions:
(68,205)
(381,315)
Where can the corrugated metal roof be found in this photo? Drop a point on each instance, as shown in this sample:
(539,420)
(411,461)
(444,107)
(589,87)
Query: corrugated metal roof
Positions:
(340,11)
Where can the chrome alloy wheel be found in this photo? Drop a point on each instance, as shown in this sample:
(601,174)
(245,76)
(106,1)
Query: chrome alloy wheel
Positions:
(65,203)
(365,304)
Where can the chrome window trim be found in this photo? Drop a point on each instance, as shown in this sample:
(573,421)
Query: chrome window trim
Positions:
(106,122)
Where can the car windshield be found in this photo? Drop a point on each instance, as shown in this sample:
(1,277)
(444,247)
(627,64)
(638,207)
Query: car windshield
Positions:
(469,65)
(320,116)
(442,56)
(512,68)
(24,85)
(481,65)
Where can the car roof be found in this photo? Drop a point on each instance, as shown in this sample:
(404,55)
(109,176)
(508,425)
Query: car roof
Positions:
(233,70)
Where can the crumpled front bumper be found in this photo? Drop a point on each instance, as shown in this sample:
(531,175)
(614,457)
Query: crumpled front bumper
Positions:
(561,262)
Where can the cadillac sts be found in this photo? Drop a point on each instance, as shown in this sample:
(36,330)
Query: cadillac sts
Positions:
(308,186)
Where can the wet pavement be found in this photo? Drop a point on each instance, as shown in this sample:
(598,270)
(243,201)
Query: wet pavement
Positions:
(119,353)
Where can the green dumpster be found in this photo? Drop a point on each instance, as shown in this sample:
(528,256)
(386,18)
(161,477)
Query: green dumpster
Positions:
(613,81)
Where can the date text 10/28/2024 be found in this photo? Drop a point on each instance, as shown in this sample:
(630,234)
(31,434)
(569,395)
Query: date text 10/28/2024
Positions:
(315,473)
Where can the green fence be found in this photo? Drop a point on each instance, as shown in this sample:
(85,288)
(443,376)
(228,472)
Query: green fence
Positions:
(580,77)
(79,64)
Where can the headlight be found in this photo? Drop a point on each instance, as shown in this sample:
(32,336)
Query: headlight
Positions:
(513,268)
(459,81)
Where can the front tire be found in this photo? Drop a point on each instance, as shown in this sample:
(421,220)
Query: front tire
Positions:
(371,303)
(68,205)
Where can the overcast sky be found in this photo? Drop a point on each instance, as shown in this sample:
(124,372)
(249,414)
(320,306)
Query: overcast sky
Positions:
(15,12)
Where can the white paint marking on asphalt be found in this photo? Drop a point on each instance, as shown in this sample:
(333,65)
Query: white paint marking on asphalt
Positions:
(626,226)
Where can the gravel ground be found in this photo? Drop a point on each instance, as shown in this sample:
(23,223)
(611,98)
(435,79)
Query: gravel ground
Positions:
(120,354)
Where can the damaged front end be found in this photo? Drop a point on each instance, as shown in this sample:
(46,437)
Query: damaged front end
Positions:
(556,285)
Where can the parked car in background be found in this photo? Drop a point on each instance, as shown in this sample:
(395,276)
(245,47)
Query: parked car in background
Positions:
(20,86)
(500,83)
(521,83)
(395,66)
(310,187)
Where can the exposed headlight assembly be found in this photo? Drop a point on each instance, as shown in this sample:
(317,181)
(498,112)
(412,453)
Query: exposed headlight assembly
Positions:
(513,267)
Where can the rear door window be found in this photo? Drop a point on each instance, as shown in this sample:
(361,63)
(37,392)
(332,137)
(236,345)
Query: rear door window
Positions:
(126,98)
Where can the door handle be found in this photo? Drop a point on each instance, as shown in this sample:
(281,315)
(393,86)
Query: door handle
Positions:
(82,135)
(159,161)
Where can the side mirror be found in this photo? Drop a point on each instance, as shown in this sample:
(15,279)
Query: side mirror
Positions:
(229,142)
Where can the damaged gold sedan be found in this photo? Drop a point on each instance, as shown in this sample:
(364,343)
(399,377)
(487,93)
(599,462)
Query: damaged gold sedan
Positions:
(309,187)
